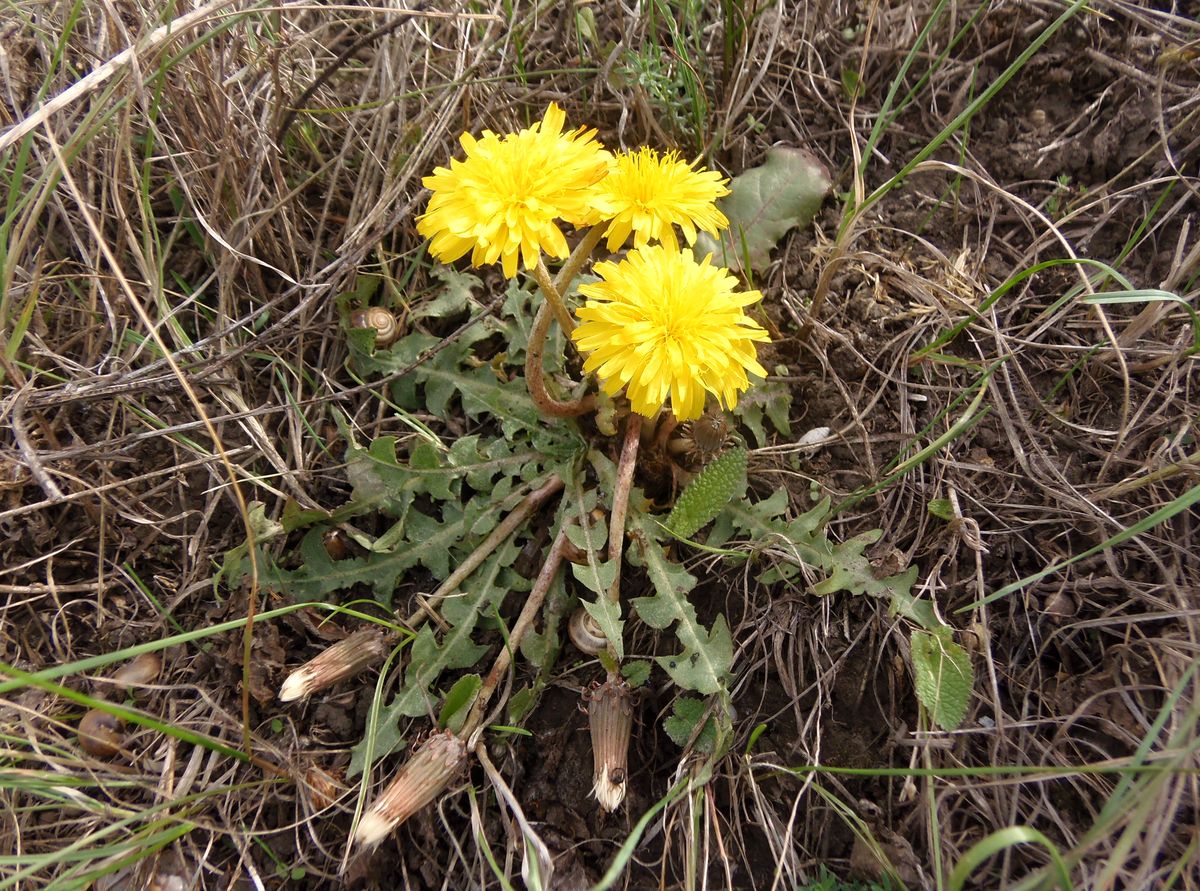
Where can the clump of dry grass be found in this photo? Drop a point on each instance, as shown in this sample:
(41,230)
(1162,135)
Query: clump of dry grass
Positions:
(176,236)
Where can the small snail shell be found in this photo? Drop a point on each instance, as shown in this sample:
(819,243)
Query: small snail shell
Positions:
(387,328)
(100,733)
(1059,605)
(335,542)
(586,634)
(142,670)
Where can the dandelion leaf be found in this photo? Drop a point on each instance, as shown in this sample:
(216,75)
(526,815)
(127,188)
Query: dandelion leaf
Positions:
(764,202)
(456,295)
(804,541)
(851,570)
(451,377)
(707,656)
(636,673)
(458,702)
(463,492)
(386,739)
(607,615)
(319,575)
(429,657)
(943,675)
(686,714)
(766,401)
(598,577)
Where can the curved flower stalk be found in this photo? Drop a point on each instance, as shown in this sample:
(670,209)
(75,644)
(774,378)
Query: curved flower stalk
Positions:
(504,201)
(662,326)
(647,194)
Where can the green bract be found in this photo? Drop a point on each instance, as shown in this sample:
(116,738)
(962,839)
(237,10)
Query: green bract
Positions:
(714,487)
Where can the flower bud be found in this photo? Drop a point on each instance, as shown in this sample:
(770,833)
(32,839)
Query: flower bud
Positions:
(347,657)
(610,719)
(422,779)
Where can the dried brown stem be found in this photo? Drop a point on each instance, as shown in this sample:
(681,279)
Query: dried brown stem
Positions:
(345,56)
(507,527)
(666,426)
(616,521)
(28,452)
(533,604)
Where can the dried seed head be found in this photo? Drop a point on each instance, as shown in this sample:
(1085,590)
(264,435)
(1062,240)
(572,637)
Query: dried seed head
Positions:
(347,657)
(697,442)
(324,787)
(610,719)
(422,779)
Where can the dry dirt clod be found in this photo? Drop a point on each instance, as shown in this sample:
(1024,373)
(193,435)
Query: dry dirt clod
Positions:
(1060,605)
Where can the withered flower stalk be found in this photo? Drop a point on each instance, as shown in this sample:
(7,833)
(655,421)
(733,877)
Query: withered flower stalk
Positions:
(437,762)
(529,612)
(510,524)
(346,658)
(610,720)
(422,779)
(616,524)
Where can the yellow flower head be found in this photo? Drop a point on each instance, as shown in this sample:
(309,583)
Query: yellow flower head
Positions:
(646,193)
(504,200)
(661,324)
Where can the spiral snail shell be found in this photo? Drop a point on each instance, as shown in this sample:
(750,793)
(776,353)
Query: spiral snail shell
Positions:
(586,634)
(142,670)
(383,322)
(100,733)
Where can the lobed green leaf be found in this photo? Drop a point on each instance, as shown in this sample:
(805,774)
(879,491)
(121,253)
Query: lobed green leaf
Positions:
(943,675)
(707,657)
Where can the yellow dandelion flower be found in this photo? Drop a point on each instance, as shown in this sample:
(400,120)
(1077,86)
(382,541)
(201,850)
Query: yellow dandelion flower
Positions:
(660,324)
(647,194)
(504,201)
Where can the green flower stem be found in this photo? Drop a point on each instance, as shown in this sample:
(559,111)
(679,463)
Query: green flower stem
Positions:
(552,290)
(542,276)
(578,257)
(616,521)
(499,535)
(535,376)
(529,612)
